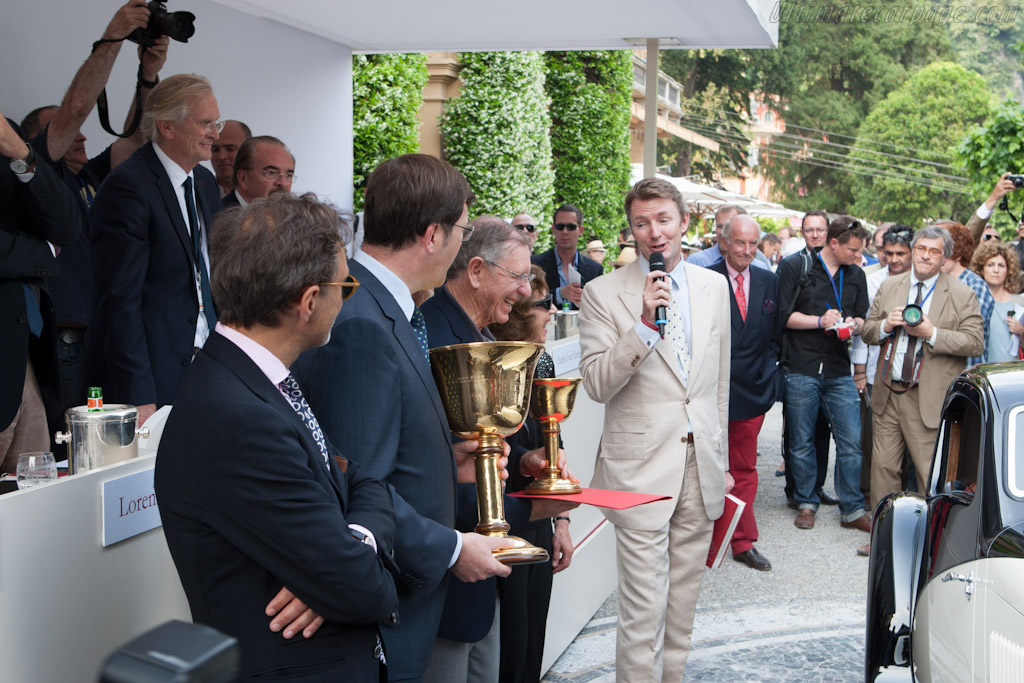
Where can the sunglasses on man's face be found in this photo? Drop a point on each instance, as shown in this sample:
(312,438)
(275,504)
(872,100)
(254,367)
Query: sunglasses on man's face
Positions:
(986,238)
(525,226)
(544,303)
(566,226)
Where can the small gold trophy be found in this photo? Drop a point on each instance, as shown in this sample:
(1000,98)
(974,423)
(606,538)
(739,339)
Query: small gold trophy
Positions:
(552,401)
(485,389)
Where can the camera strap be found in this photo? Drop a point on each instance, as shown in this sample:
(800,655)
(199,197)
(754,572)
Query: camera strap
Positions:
(1005,206)
(101,101)
(890,356)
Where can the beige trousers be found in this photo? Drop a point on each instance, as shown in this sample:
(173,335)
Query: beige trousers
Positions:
(896,429)
(28,431)
(659,578)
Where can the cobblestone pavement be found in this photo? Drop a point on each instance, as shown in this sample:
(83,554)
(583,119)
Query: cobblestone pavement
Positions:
(801,621)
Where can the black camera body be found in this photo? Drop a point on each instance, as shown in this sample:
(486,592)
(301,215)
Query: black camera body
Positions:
(179,26)
(1018,180)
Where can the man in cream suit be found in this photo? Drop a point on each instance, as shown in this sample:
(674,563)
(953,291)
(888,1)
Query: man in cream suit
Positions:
(907,396)
(665,430)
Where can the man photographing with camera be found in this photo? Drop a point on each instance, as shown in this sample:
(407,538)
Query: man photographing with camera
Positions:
(1008,182)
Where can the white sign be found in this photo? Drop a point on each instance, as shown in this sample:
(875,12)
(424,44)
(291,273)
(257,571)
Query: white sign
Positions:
(129,506)
(566,355)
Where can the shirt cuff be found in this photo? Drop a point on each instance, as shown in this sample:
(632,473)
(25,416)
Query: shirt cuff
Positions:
(935,335)
(458,549)
(648,336)
(53,249)
(558,296)
(984,212)
(369,535)
(25,177)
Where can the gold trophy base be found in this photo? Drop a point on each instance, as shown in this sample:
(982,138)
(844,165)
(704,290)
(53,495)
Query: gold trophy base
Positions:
(552,487)
(521,552)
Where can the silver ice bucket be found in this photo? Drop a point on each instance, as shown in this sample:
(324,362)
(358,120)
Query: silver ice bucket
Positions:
(567,324)
(101,437)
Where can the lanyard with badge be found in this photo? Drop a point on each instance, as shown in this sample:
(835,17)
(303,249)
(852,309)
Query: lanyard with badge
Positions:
(913,314)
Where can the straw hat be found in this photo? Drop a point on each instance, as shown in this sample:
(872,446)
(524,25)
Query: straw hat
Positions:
(626,256)
(598,246)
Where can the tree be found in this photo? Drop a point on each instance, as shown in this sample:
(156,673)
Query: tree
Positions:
(832,69)
(930,114)
(387,93)
(496,132)
(990,150)
(590,96)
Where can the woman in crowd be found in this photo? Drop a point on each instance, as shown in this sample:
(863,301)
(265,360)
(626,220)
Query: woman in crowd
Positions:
(526,593)
(997,264)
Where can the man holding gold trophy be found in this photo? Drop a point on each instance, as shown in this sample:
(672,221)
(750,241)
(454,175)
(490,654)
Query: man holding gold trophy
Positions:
(655,348)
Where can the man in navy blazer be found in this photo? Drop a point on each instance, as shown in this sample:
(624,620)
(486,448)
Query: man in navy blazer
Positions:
(567,228)
(251,494)
(149,227)
(375,397)
(756,339)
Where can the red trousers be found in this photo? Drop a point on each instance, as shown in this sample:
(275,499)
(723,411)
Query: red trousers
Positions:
(743,468)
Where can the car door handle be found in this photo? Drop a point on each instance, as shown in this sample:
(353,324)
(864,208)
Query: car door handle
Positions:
(968,579)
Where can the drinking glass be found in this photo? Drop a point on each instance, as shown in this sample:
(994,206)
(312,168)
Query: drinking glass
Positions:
(36,468)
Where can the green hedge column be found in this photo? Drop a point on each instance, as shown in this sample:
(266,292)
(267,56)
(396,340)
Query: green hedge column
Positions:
(387,93)
(496,133)
(590,96)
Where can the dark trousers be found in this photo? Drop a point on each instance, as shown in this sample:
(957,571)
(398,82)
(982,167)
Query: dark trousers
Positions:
(525,595)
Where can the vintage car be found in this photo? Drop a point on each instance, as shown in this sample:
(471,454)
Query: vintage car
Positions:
(946,577)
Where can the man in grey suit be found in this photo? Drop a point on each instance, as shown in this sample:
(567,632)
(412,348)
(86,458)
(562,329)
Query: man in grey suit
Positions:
(387,413)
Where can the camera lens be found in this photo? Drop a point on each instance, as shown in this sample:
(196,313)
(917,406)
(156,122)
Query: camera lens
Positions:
(912,315)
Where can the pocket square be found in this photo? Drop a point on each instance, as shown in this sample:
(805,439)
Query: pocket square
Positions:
(768,307)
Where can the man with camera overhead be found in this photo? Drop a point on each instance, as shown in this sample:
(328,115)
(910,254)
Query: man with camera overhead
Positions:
(928,324)
(1007,183)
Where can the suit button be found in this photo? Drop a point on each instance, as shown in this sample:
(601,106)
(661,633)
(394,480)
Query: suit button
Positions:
(636,359)
(22,318)
(687,401)
(393,618)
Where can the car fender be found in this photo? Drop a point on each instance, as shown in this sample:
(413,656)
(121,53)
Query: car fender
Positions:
(897,546)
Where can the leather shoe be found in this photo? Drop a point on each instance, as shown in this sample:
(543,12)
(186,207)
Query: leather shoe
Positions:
(754,560)
(804,519)
(864,550)
(863,523)
(825,498)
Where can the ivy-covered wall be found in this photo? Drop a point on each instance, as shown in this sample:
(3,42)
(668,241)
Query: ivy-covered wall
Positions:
(590,95)
(387,92)
(496,133)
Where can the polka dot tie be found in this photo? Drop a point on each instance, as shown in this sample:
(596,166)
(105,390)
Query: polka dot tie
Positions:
(677,335)
(419,328)
(294,395)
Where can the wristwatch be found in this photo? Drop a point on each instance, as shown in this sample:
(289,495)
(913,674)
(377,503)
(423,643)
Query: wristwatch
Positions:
(21,166)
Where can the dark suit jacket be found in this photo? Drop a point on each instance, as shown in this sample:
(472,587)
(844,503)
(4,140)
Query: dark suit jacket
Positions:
(468,607)
(146,302)
(230,199)
(588,267)
(755,345)
(374,396)
(31,214)
(248,506)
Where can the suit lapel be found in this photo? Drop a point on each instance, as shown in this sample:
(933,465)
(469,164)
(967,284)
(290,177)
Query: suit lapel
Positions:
(170,198)
(755,302)
(940,297)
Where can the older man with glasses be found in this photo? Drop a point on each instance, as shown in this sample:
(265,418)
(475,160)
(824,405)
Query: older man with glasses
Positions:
(566,270)
(263,165)
(525,223)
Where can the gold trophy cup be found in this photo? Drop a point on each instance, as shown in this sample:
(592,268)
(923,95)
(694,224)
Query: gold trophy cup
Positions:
(551,402)
(485,389)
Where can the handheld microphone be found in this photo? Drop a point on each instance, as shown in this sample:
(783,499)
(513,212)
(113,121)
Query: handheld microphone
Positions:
(657,262)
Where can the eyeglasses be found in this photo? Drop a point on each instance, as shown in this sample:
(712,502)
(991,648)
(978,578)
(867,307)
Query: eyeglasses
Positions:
(921,250)
(986,238)
(544,303)
(210,126)
(521,278)
(348,287)
(467,231)
(525,226)
(273,175)
(566,226)
(815,231)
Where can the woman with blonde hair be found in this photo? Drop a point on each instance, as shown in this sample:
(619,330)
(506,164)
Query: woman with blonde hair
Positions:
(997,265)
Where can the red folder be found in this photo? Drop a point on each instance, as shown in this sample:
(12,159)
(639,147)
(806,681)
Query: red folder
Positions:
(723,534)
(602,498)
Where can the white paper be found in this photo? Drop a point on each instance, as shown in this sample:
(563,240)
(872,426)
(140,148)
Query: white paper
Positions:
(573,276)
(1018,313)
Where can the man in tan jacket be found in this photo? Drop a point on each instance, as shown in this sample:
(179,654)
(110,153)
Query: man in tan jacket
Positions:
(665,428)
(917,362)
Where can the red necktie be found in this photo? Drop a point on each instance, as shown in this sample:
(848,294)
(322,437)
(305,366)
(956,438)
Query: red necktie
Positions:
(741,298)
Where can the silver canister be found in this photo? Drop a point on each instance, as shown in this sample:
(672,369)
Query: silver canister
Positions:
(566,324)
(100,437)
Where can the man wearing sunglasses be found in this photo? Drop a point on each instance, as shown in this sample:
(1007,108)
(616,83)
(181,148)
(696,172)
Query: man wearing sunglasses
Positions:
(566,270)
(917,362)
(263,165)
(252,496)
(525,223)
